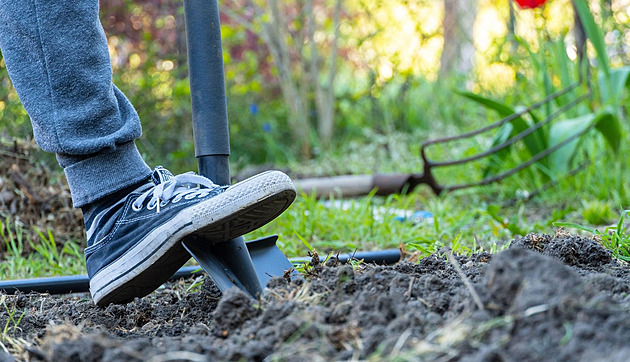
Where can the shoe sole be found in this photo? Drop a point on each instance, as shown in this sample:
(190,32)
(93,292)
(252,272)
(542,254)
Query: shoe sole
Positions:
(240,209)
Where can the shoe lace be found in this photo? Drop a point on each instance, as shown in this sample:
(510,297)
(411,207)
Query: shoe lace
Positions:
(188,185)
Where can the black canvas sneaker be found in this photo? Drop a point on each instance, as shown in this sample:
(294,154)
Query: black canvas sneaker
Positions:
(134,244)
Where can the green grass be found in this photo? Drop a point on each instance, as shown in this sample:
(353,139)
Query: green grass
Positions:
(615,238)
(47,259)
(467,221)
(597,212)
(13,320)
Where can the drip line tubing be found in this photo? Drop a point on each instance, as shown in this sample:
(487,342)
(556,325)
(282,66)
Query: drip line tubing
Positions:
(81,283)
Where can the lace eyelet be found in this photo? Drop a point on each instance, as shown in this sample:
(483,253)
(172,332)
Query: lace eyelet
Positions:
(162,204)
(134,208)
(189,196)
(176,199)
(149,207)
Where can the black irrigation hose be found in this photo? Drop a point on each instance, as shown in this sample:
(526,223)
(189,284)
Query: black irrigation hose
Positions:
(381,257)
(81,283)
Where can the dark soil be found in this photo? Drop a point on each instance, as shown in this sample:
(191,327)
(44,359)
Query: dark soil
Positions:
(556,298)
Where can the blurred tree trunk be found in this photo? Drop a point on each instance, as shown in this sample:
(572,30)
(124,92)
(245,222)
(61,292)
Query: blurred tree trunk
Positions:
(458,53)
(324,94)
(306,65)
(275,36)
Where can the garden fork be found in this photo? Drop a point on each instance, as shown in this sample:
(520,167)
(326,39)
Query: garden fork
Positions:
(386,184)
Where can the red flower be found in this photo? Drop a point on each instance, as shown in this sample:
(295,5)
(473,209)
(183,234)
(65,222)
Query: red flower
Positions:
(530,4)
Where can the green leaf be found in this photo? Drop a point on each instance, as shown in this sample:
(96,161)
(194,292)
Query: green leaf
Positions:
(594,34)
(503,134)
(546,82)
(535,142)
(561,130)
(563,65)
(304,241)
(502,109)
(619,79)
(605,121)
(497,159)
(574,226)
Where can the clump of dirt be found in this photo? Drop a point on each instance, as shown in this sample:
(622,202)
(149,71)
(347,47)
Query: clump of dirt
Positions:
(533,307)
(573,250)
(518,279)
(34,196)
(234,309)
(544,310)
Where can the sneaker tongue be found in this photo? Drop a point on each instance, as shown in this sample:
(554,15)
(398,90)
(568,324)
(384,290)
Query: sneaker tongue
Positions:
(161,175)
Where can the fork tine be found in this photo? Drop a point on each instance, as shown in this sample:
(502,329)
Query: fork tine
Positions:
(430,165)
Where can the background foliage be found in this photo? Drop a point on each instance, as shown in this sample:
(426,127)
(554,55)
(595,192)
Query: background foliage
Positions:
(391,73)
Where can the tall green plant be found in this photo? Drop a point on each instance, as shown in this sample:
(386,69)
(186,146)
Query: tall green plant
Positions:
(604,120)
(577,121)
(612,82)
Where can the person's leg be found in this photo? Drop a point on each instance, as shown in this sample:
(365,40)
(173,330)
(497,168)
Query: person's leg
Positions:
(57,56)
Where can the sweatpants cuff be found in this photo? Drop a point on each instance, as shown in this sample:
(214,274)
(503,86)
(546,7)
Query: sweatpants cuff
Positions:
(96,177)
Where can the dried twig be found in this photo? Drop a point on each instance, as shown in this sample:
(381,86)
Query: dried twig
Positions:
(465,279)
(178,355)
(24,185)
(13,154)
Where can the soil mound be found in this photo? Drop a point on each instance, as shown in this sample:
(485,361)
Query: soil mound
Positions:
(570,249)
(33,196)
(534,307)
(551,312)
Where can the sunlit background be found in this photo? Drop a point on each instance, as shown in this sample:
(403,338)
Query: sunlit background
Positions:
(388,59)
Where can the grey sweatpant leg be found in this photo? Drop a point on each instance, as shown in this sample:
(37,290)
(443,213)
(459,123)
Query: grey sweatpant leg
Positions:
(57,57)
